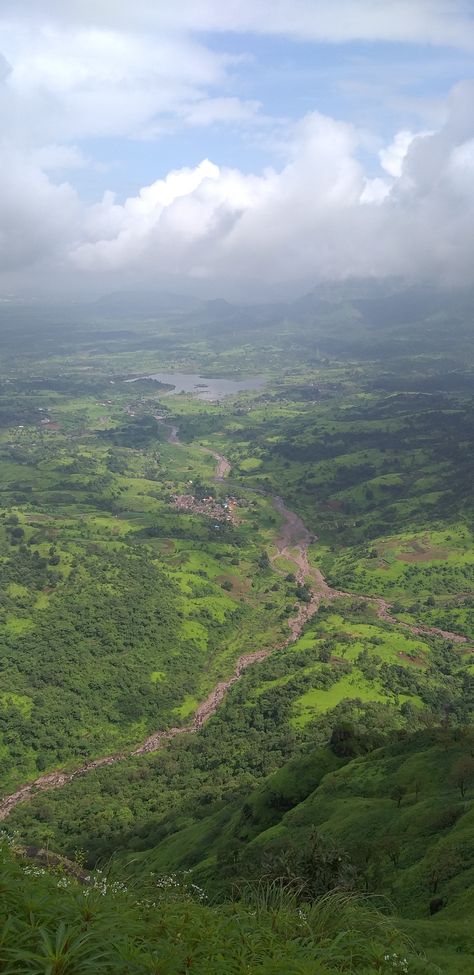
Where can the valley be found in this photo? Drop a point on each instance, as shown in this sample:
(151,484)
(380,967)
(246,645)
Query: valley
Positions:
(291,545)
(162,662)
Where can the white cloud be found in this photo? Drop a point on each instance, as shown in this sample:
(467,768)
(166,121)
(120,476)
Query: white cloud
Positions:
(77,71)
(38,218)
(392,156)
(375,190)
(70,84)
(228,110)
(437,22)
(416,21)
(318,217)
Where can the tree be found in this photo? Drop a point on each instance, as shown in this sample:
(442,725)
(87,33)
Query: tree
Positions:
(311,868)
(416,788)
(397,794)
(467,738)
(17,533)
(462,774)
(263,561)
(343,741)
(391,847)
(445,864)
(303,593)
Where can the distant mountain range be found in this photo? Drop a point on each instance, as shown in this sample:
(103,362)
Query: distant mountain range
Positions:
(390,301)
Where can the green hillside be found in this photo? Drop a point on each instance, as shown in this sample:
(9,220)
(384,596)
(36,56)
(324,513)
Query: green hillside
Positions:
(57,924)
(305,875)
(397,822)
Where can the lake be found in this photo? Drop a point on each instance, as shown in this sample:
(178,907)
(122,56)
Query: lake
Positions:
(204,387)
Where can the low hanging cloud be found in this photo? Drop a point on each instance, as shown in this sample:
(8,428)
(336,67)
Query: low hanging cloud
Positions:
(318,217)
(38,218)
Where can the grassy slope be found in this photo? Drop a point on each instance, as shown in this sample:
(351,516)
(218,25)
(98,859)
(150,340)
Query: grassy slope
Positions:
(52,924)
(353,804)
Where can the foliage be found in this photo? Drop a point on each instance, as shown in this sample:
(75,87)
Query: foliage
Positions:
(340,764)
(54,925)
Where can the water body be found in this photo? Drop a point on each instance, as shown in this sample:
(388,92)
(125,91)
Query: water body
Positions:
(204,387)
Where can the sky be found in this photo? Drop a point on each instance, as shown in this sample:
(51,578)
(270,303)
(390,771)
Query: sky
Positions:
(234,148)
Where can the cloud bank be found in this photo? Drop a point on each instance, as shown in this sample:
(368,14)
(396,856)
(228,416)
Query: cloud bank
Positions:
(338,203)
(318,217)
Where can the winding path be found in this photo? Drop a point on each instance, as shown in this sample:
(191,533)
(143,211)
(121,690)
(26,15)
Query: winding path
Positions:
(292,544)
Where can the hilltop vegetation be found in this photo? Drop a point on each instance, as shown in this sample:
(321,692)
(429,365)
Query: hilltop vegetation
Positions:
(396,821)
(164,928)
(295,860)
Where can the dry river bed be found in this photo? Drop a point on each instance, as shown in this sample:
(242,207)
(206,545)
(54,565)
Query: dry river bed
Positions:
(292,544)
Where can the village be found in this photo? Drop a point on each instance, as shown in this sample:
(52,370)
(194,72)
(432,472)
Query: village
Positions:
(224,510)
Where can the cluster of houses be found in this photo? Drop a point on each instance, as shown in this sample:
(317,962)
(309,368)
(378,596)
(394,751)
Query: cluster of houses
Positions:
(211,507)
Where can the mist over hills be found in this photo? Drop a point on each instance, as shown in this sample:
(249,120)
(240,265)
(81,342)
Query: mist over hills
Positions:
(388,302)
(381,302)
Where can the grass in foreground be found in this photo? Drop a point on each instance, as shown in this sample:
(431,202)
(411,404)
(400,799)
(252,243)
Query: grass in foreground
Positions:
(56,925)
